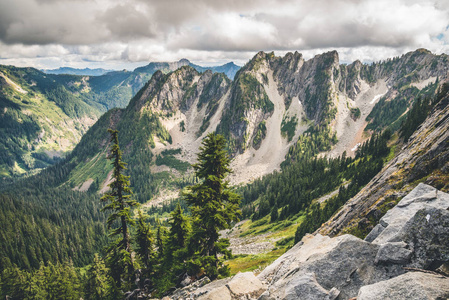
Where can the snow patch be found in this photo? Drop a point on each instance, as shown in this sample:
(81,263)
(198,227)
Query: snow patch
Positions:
(356,147)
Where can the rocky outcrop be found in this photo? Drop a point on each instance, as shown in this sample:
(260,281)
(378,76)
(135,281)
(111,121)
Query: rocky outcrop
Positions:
(396,219)
(347,264)
(412,285)
(397,264)
(241,286)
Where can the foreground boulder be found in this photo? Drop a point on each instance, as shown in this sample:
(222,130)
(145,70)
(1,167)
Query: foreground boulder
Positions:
(413,285)
(345,267)
(427,234)
(423,196)
(241,286)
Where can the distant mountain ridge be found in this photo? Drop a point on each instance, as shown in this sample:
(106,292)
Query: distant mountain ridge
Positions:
(230,69)
(76,71)
(271,102)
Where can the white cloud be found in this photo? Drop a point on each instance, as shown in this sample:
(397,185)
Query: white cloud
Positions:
(120,32)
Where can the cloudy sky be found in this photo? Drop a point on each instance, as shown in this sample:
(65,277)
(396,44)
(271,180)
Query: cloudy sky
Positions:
(117,34)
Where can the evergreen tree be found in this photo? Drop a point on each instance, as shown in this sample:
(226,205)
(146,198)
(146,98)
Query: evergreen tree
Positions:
(274,214)
(179,228)
(212,203)
(120,203)
(96,286)
(144,243)
(160,241)
(174,251)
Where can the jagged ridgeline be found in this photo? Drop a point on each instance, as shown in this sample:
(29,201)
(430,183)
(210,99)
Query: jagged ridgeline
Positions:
(276,110)
(43,116)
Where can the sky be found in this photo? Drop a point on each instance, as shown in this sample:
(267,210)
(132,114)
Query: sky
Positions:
(124,34)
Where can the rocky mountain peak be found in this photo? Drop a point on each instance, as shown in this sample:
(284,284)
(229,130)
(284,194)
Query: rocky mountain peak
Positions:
(184,61)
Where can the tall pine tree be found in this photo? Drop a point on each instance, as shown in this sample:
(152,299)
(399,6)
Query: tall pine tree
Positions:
(119,200)
(144,244)
(213,205)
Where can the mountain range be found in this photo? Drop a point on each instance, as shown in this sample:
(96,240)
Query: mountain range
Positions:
(45,115)
(265,113)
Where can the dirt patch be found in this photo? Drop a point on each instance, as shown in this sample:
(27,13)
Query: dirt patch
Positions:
(164,196)
(248,245)
(105,185)
(85,186)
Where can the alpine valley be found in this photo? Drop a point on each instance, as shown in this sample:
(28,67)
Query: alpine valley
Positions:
(317,146)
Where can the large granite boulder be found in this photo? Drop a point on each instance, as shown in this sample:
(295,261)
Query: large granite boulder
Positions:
(423,196)
(415,233)
(345,263)
(427,235)
(412,285)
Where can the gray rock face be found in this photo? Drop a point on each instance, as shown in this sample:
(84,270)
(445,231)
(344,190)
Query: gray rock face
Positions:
(306,287)
(345,263)
(423,196)
(396,253)
(412,285)
(427,233)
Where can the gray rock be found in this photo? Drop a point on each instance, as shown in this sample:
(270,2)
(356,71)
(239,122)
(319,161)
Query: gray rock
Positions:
(345,263)
(220,293)
(423,196)
(427,234)
(266,296)
(396,253)
(196,289)
(350,266)
(375,232)
(412,285)
(306,287)
(246,284)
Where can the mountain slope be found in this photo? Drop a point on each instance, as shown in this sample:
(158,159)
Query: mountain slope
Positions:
(424,158)
(40,119)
